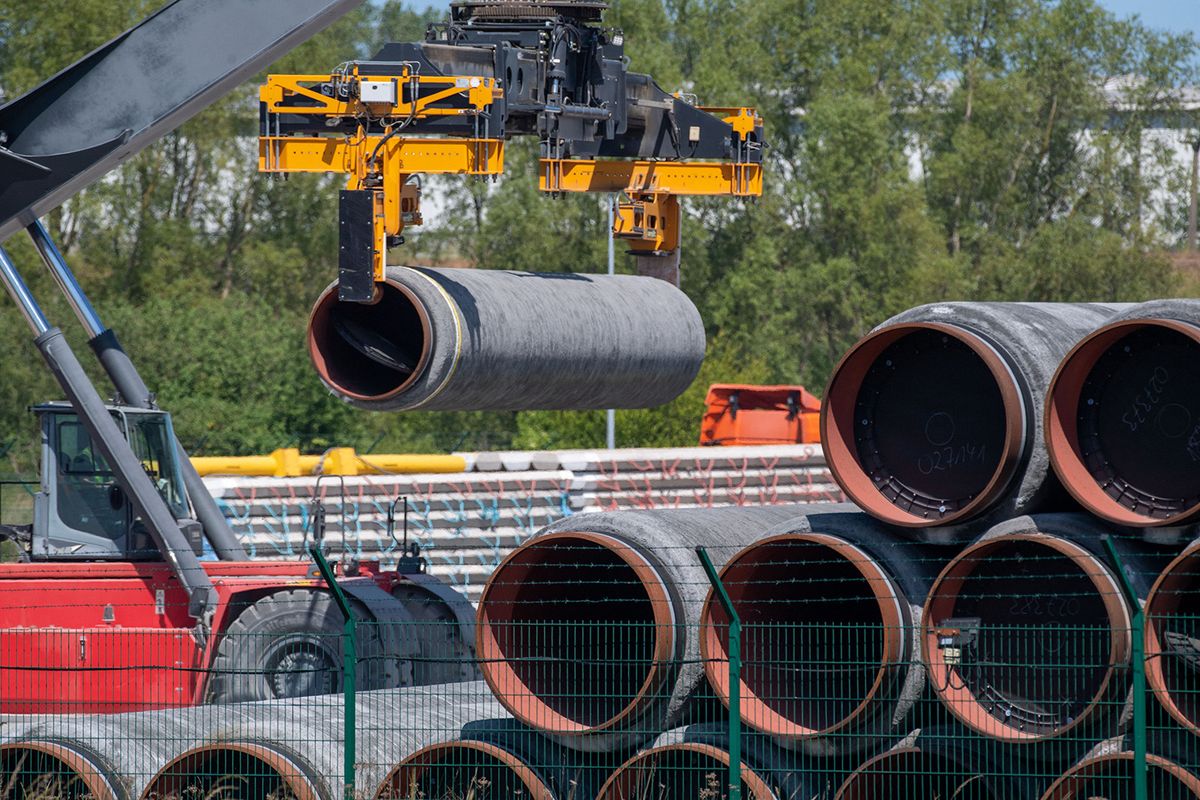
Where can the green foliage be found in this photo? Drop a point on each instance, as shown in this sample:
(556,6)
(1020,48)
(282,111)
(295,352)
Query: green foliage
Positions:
(919,150)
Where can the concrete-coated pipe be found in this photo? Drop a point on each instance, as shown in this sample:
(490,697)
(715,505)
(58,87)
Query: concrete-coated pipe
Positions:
(469,339)
(52,769)
(301,739)
(935,417)
(588,631)
(830,604)
(1026,633)
(1173,638)
(1123,417)
(1110,776)
(237,771)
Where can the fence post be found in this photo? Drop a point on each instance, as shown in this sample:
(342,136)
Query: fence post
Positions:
(1141,786)
(735,676)
(349,669)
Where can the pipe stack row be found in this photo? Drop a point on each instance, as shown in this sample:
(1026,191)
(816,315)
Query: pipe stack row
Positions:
(961,631)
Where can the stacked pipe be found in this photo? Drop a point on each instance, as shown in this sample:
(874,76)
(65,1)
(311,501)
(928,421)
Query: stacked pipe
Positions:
(965,581)
(250,751)
(972,577)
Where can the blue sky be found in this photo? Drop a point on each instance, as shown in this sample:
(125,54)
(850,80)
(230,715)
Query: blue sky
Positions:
(1179,16)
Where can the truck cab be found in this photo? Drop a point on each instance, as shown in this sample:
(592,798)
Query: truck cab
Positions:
(80,512)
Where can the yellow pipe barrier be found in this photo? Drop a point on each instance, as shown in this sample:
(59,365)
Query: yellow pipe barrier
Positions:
(288,463)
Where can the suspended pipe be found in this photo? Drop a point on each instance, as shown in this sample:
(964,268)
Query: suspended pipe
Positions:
(466,339)
(830,604)
(1111,776)
(1173,638)
(55,769)
(1026,633)
(588,631)
(933,765)
(301,739)
(935,417)
(1123,417)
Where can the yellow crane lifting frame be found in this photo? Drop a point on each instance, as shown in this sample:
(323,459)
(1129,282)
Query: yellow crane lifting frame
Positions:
(647,217)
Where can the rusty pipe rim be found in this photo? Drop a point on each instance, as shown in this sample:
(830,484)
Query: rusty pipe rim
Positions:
(404,778)
(1062,433)
(74,763)
(295,776)
(757,711)
(1161,602)
(1062,788)
(626,776)
(950,687)
(840,419)
(320,329)
(876,766)
(508,685)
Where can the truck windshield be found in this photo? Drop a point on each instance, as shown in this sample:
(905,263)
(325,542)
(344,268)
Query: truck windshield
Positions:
(153,442)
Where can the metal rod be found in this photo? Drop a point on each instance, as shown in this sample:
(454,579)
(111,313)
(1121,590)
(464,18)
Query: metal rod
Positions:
(735,675)
(1141,782)
(610,430)
(21,295)
(349,666)
(66,281)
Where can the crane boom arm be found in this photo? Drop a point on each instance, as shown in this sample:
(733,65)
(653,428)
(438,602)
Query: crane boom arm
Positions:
(72,129)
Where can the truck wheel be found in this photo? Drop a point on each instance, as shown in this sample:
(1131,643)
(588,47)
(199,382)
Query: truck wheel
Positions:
(289,644)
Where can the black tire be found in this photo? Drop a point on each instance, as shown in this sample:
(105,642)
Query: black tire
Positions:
(289,644)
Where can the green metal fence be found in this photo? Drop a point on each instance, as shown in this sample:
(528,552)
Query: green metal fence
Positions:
(1047,659)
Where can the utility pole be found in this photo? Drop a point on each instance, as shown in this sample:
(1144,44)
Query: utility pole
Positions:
(1193,191)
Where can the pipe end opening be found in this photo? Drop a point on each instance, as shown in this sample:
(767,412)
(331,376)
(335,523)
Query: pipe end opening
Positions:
(576,632)
(681,771)
(1123,422)
(50,771)
(1173,639)
(807,602)
(463,769)
(1023,636)
(923,424)
(232,772)
(369,351)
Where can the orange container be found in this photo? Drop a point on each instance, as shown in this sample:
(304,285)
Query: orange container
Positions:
(740,414)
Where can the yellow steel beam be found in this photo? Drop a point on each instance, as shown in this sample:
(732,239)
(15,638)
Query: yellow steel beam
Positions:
(401,154)
(651,177)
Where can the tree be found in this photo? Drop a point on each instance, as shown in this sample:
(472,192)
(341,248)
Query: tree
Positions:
(918,150)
